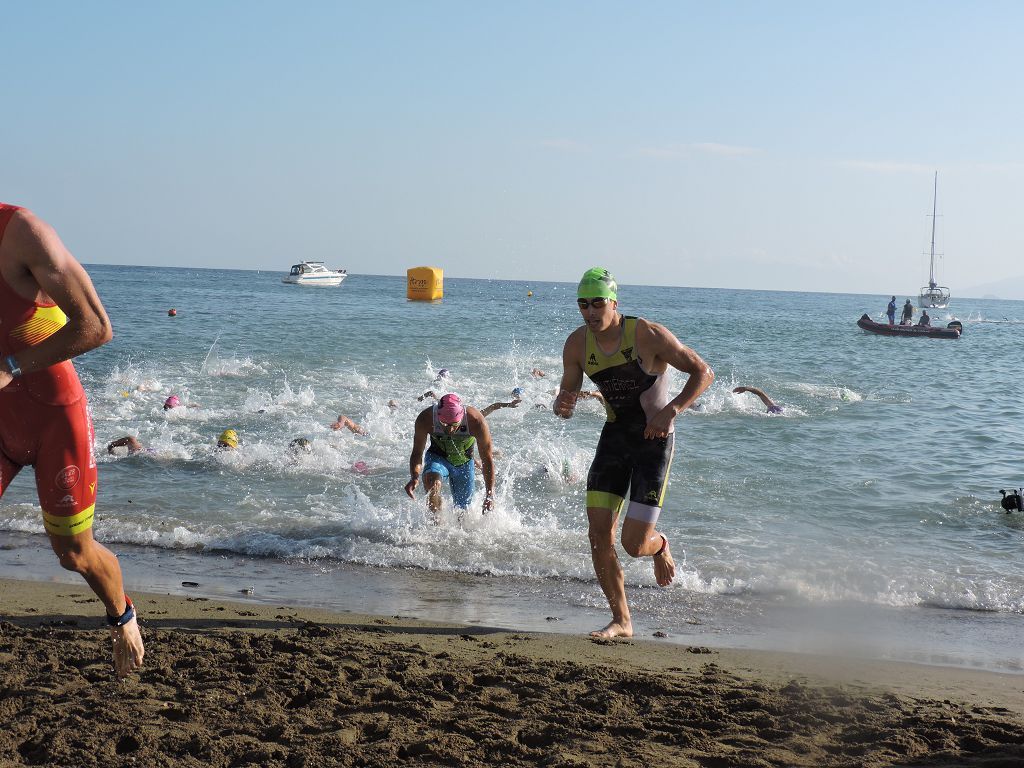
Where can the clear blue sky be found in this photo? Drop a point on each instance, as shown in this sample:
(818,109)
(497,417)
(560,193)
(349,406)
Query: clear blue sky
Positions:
(786,145)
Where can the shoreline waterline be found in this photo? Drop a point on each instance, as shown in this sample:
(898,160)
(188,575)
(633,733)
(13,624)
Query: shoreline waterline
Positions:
(931,636)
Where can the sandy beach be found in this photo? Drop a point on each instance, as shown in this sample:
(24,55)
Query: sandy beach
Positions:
(238,683)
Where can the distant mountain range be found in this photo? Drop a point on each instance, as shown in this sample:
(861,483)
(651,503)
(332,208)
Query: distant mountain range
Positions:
(1010,288)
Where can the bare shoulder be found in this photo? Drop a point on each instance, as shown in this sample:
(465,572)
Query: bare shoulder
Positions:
(476,417)
(574,342)
(34,244)
(654,332)
(425,418)
(478,426)
(29,232)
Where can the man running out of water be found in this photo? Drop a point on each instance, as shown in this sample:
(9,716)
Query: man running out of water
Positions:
(50,313)
(453,430)
(628,358)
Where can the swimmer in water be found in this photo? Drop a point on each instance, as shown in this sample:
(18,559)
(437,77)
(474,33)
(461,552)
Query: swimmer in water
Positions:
(228,440)
(344,422)
(130,442)
(768,403)
(517,398)
(300,445)
(174,401)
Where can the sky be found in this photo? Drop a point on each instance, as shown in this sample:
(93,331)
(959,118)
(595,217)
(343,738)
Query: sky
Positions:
(757,145)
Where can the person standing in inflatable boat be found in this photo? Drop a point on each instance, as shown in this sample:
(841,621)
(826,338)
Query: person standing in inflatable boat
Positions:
(453,430)
(628,358)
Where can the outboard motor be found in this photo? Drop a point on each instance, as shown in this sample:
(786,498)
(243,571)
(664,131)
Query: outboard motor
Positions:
(956,324)
(1013,502)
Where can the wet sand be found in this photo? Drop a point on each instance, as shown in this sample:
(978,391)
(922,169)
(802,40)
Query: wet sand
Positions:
(231,684)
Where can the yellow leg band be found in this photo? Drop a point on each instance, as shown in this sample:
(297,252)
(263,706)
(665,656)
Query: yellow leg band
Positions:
(604,500)
(69,526)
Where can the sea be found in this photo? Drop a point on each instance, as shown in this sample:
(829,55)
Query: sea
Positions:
(863,520)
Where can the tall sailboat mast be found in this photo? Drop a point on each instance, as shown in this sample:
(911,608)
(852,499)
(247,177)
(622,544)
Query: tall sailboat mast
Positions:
(931,268)
(932,295)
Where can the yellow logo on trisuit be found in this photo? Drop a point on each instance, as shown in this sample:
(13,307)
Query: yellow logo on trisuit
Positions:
(45,322)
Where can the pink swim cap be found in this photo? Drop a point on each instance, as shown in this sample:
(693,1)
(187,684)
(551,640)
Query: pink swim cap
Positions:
(450,409)
(171,402)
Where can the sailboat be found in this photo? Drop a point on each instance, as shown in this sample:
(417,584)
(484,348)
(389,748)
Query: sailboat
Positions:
(933,296)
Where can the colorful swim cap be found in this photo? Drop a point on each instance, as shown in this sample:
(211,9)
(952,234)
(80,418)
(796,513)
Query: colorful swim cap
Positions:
(229,438)
(597,283)
(171,402)
(450,409)
(517,392)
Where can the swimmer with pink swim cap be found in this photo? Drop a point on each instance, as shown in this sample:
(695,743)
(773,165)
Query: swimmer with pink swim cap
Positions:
(171,402)
(453,430)
(450,409)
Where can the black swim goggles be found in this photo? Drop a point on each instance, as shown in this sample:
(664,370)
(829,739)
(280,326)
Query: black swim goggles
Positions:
(597,303)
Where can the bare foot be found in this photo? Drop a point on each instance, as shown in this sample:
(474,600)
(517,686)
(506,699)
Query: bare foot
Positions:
(664,565)
(128,650)
(615,629)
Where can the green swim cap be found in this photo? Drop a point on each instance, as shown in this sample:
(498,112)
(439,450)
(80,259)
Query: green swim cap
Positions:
(597,282)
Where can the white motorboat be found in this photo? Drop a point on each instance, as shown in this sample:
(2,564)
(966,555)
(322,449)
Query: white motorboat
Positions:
(933,295)
(314,273)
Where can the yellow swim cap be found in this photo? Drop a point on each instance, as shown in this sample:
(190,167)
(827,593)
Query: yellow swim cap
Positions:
(228,438)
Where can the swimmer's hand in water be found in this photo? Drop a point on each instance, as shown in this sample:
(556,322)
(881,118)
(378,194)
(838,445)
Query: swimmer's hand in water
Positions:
(488,503)
(565,403)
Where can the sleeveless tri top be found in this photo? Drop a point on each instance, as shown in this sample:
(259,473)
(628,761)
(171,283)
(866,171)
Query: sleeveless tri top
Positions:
(457,447)
(25,323)
(631,395)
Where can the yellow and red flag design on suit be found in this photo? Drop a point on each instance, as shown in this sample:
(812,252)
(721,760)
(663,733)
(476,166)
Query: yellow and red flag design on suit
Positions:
(45,322)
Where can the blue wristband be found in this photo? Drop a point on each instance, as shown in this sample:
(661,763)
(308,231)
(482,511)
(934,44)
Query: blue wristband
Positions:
(124,618)
(12,366)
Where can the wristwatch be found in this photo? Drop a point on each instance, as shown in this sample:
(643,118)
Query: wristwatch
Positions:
(12,366)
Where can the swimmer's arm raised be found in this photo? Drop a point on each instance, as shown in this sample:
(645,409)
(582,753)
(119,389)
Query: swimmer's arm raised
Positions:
(768,402)
(496,406)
